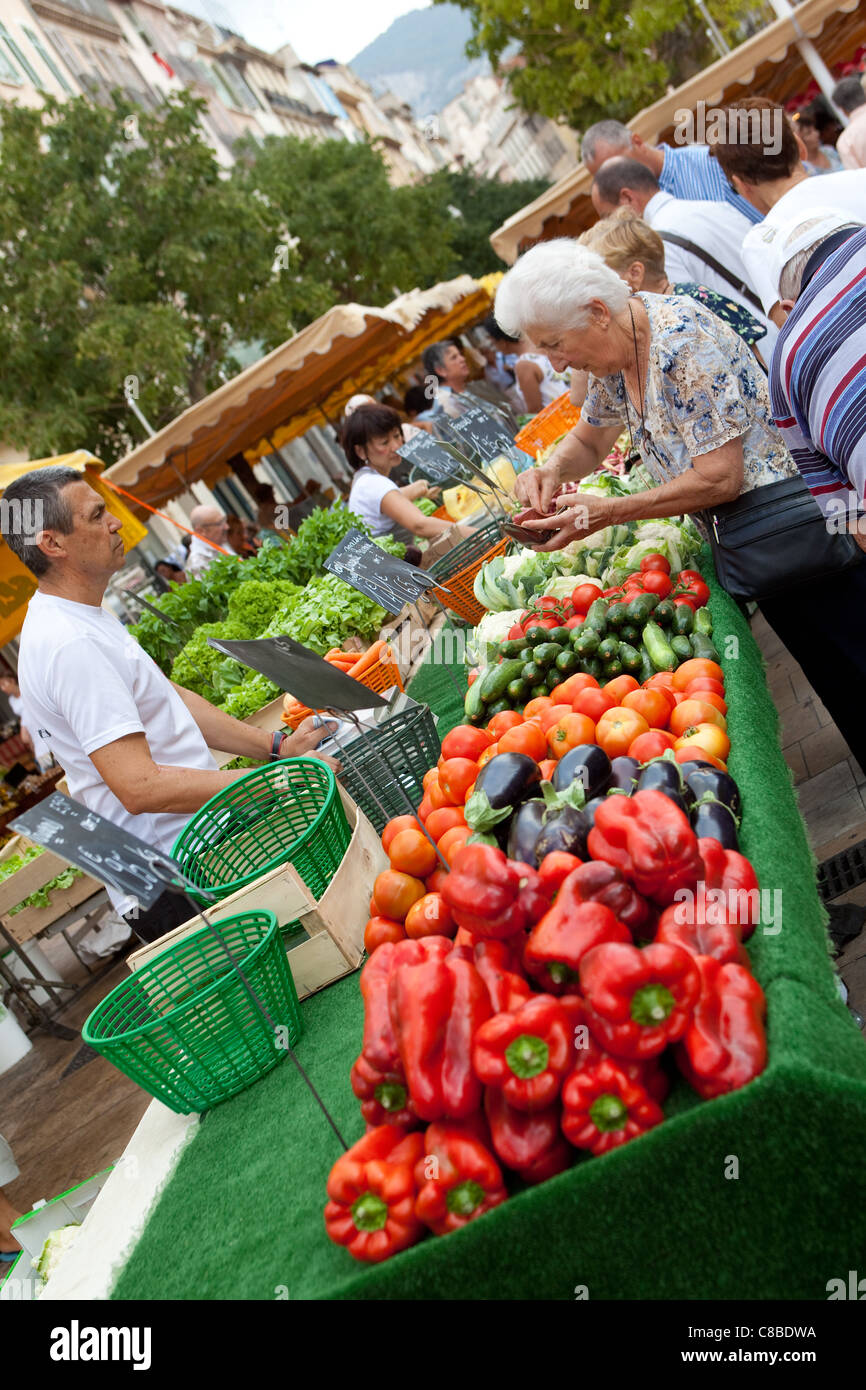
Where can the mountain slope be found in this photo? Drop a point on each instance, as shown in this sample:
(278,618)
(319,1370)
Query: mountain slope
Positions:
(421,58)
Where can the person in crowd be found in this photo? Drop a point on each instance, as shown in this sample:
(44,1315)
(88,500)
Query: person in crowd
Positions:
(10,688)
(135,747)
(9,1171)
(237,536)
(713,233)
(821,159)
(419,408)
(270,516)
(170,572)
(452,391)
(827,121)
(629,246)
(684,171)
(501,355)
(780,187)
(371,437)
(213,530)
(850,98)
(698,410)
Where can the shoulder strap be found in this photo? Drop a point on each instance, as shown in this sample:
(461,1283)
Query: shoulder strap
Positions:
(715,265)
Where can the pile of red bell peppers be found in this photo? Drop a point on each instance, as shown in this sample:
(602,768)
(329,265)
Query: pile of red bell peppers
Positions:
(544,1031)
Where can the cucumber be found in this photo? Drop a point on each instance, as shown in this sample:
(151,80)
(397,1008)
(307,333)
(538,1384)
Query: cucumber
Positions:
(684,621)
(525,654)
(630,633)
(586,644)
(681,646)
(501,707)
(629,657)
(560,635)
(647,670)
(661,654)
(703,647)
(663,614)
(513,647)
(536,634)
(567,661)
(552,679)
(618,615)
(704,622)
(608,649)
(496,679)
(473,705)
(546,653)
(592,666)
(640,608)
(612,669)
(536,691)
(531,673)
(516,690)
(597,616)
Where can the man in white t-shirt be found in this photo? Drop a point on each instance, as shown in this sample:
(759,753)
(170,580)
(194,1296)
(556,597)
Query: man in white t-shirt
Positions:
(134,746)
(213,529)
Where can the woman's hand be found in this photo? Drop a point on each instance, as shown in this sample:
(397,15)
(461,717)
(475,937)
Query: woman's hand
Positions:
(414,491)
(572,523)
(537,487)
(304,741)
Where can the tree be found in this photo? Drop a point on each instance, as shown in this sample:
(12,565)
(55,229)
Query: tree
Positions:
(603,58)
(483,205)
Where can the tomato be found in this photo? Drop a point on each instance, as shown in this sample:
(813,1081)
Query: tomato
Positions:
(706,685)
(569,732)
(375,910)
(654,705)
(651,745)
(425,809)
(452,841)
(708,698)
(465,742)
(695,712)
(445,819)
(439,797)
(548,767)
(709,737)
(456,776)
(656,561)
(395,826)
(619,687)
(567,690)
(593,703)
(697,666)
(686,600)
(473,676)
(546,604)
(576,621)
(411,852)
(585,596)
(436,880)
(657,582)
(694,586)
(662,680)
(690,753)
(515,632)
(617,730)
(527,739)
(548,621)
(396,892)
(537,706)
(429,778)
(507,719)
(430,916)
(379,930)
(487,755)
(553,715)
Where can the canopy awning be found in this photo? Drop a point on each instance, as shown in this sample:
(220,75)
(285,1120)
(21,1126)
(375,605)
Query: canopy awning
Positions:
(768,64)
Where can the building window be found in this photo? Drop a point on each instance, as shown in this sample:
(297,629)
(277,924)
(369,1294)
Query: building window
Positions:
(19,56)
(47,59)
(8,70)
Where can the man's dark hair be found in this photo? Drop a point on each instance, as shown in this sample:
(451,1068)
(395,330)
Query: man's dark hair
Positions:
(416,400)
(744,150)
(38,495)
(434,355)
(366,423)
(620,173)
(492,329)
(848,94)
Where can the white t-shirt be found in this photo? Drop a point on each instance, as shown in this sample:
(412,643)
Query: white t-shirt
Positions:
(86,682)
(365,500)
(552,383)
(844,192)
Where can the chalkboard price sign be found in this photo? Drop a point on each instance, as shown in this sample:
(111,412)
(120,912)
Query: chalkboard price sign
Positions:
(431,460)
(485,434)
(302,673)
(376,574)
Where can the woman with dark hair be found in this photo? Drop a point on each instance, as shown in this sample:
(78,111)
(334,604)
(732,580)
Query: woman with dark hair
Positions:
(371,437)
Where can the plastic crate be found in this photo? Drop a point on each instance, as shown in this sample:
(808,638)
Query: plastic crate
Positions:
(548,425)
(185,1028)
(459,567)
(397,754)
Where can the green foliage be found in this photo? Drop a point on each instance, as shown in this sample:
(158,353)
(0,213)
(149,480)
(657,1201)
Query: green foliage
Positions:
(196,665)
(255,601)
(328,612)
(484,205)
(316,538)
(254,691)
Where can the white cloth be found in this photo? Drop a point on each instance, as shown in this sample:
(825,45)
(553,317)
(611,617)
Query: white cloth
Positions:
(41,751)
(844,192)
(365,500)
(201,554)
(86,683)
(8,1167)
(552,383)
(719,230)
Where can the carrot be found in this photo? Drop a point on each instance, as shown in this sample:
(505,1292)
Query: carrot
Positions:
(369,659)
(334,654)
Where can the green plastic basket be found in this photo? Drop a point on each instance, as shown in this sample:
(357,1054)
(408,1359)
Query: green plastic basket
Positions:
(288,812)
(398,753)
(184,1027)
(467,552)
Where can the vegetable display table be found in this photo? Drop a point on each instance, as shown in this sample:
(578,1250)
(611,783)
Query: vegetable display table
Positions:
(758,1194)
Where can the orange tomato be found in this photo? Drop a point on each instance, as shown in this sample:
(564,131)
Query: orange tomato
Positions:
(697,666)
(553,715)
(620,686)
(651,745)
(527,739)
(654,705)
(435,881)
(708,697)
(379,930)
(444,819)
(661,680)
(465,741)
(617,730)
(412,853)
(425,809)
(593,702)
(429,778)
(569,732)
(430,916)
(705,683)
(566,692)
(395,893)
(456,776)
(395,826)
(548,767)
(452,841)
(537,706)
(438,796)
(709,737)
(502,722)
(691,754)
(488,754)
(695,712)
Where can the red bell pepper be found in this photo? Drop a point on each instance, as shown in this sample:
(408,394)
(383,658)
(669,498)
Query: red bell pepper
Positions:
(588,1053)
(650,840)
(687,925)
(555,868)
(379,1044)
(733,874)
(725,1044)
(559,942)
(383,1095)
(498,964)
(436,1008)
(638,1001)
(491,896)
(597,882)
(604,1108)
(531,1145)
(525,1053)
(372,1190)
(458,1179)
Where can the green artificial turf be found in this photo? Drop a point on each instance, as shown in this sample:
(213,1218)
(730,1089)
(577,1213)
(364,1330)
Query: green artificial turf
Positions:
(662,1218)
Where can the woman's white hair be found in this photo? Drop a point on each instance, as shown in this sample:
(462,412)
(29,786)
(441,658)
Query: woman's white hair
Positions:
(551,286)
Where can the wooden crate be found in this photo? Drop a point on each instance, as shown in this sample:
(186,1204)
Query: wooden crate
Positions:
(33,920)
(334,923)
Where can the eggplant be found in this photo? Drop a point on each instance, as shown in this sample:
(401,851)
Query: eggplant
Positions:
(624,774)
(508,779)
(586,763)
(700,779)
(677,798)
(660,775)
(591,807)
(523,832)
(565,829)
(711,820)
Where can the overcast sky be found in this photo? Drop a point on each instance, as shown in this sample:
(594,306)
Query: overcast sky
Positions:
(316,29)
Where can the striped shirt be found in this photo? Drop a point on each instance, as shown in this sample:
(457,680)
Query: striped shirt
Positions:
(818,380)
(689,172)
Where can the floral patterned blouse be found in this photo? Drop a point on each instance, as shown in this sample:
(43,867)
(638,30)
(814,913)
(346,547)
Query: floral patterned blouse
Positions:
(703,387)
(743,323)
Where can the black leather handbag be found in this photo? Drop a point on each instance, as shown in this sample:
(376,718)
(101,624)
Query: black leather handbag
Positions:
(773,538)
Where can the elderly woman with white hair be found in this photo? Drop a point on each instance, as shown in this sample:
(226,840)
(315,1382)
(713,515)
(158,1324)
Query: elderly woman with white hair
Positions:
(698,412)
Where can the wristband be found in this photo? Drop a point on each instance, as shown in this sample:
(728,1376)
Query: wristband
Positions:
(276,745)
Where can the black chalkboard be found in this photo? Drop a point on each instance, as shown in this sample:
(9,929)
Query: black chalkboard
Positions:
(486,434)
(98,846)
(127,593)
(376,574)
(316,683)
(431,460)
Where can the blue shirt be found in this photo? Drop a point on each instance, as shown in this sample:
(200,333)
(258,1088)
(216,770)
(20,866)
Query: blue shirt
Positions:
(689,172)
